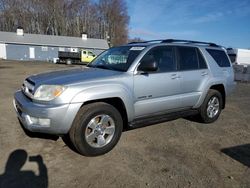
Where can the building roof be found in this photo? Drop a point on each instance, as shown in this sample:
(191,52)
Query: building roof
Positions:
(52,40)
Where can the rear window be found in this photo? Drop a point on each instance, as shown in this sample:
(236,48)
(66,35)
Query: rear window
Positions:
(220,57)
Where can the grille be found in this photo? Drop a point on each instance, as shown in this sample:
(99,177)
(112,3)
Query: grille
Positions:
(28,88)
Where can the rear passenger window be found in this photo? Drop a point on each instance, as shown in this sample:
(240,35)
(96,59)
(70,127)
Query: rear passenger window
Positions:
(220,57)
(202,63)
(188,58)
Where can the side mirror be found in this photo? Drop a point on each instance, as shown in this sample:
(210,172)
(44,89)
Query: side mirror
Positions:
(148,65)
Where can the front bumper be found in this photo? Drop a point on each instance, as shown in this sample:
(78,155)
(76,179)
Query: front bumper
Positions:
(52,119)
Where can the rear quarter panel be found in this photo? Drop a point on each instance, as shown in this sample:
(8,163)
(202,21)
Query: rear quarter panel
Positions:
(218,75)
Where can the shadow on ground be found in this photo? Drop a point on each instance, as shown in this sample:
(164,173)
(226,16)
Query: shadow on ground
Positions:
(239,153)
(15,177)
(6,67)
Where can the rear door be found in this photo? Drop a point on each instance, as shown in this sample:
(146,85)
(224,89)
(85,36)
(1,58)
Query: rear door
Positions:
(193,74)
(157,92)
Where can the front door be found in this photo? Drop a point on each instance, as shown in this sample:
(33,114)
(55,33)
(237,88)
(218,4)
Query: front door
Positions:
(157,92)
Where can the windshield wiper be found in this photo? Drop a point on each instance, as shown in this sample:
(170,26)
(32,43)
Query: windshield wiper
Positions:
(101,66)
(89,65)
(106,67)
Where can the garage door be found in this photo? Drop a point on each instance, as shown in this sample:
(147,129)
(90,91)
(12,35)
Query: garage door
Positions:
(2,51)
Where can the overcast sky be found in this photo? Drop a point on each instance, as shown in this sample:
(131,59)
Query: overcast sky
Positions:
(226,22)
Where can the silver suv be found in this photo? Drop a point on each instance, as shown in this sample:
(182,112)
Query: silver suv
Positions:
(125,87)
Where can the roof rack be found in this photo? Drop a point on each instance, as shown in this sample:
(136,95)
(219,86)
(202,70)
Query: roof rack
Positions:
(149,41)
(178,41)
(189,41)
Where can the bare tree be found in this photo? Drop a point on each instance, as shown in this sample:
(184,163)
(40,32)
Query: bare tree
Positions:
(136,39)
(115,18)
(106,19)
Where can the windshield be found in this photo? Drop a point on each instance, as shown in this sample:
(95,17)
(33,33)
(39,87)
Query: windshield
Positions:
(117,58)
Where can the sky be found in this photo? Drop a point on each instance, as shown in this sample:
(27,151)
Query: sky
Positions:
(225,22)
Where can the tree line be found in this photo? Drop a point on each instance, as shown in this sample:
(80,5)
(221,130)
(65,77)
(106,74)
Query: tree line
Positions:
(105,19)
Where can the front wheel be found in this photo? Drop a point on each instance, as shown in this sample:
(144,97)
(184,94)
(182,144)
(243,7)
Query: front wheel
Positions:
(96,129)
(211,108)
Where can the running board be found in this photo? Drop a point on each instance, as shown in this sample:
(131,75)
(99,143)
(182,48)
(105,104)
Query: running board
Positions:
(160,118)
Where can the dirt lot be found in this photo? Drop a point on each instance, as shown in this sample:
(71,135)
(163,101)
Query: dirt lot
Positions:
(178,153)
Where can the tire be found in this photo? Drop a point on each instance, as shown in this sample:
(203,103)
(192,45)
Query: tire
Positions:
(68,61)
(96,129)
(211,108)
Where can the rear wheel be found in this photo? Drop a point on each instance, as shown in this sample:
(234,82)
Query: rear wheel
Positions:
(96,129)
(211,108)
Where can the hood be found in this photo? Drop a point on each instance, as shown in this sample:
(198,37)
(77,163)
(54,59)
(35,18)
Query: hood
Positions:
(65,77)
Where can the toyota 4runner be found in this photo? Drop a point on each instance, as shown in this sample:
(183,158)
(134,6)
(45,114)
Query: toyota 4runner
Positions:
(124,87)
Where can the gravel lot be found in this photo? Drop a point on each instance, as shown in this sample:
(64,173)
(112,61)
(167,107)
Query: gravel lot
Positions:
(179,153)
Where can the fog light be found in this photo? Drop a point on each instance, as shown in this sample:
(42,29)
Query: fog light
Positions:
(34,120)
(40,121)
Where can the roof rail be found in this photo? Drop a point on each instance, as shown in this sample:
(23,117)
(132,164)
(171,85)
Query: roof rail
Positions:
(178,41)
(149,41)
(189,41)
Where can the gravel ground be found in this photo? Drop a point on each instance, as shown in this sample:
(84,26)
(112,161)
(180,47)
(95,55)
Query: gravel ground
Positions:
(179,153)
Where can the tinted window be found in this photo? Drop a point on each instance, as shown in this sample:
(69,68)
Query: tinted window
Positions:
(188,58)
(164,56)
(220,57)
(232,57)
(202,63)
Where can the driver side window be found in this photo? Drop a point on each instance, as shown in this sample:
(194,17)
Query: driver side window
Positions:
(164,57)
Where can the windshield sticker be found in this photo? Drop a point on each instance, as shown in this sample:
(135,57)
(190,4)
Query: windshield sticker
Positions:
(137,48)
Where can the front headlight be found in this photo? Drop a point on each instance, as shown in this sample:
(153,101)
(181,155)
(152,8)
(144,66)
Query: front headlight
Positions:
(48,92)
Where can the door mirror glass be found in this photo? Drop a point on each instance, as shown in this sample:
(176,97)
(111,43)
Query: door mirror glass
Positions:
(148,64)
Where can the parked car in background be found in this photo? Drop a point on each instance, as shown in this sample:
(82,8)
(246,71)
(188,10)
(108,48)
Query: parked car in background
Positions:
(127,86)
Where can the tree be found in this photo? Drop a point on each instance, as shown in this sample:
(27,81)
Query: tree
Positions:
(115,18)
(107,19)
(136,39)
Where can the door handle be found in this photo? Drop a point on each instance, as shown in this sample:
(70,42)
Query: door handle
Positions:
(175,76)
(204,73)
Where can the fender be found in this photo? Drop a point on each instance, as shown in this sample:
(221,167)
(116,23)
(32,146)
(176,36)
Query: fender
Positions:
(104,91)
(211,82)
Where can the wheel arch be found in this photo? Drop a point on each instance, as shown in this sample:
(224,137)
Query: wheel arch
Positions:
(114,94)
(115,102)
(220,88)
